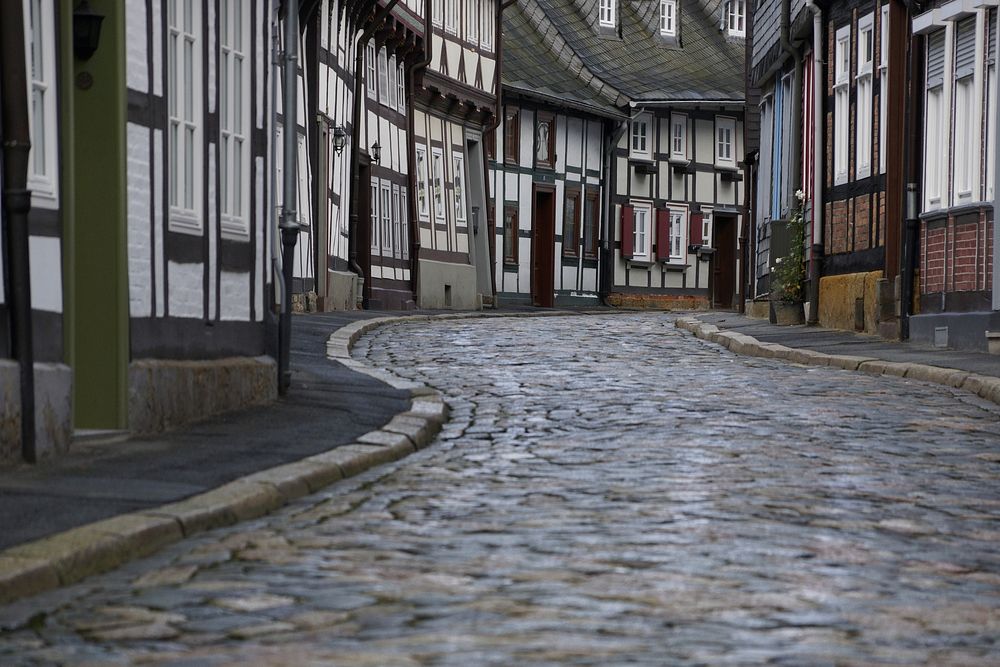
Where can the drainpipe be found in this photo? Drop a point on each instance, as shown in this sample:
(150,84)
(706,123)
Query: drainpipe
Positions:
(818,153)
(17,200)
(498,40)
(412,156)
(795,137)
(289,215)
(608,247)
(276,269)
(359,82)
(996,199)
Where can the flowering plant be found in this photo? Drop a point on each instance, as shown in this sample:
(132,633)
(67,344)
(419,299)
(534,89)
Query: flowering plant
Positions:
(789,272)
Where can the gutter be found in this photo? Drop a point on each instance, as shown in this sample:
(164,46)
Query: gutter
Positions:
(359,81)
(816,249)
(563,103)
(498,40)
(411,158)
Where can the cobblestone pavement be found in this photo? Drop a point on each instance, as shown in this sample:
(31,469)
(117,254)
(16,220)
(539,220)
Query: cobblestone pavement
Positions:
(610,491)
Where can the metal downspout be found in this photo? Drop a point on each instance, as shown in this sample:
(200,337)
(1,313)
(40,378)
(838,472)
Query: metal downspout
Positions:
(17,201)
(289,215)
(608,246)
(816,250)
(996,197)
(412,157)
(276,270)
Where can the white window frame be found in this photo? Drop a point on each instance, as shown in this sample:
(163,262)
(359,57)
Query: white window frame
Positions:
(842,108)
(390,90)
(185,177)
(43,165)
(725,142)
(400,89)
(487,25)
(374,214)
(385,211)
(967,120)
(404,225)
(458,186)
(736,18)
(883,87)
(668,18)
(471,22)
(641,137)
(423,183)
(437,13)
(451,16)
(989,98)
(607,13)
(397,223)
(934,144)
(865,58)
(678,233)
(438,182)
(371,58)
(383,76)
(641,234)
(706,226)
(324,31)
(234,106)
(678,135)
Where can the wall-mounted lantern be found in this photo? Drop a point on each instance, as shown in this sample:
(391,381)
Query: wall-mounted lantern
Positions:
(86,30)
(376,153)
(339,139)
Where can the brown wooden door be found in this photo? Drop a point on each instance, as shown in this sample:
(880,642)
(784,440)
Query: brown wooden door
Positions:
(543,247)
(724,262)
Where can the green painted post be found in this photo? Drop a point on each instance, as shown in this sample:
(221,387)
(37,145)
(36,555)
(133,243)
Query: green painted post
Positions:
(94,117)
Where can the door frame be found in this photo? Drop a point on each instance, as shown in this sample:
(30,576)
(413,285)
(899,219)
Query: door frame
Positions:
(730,220)
(546,246)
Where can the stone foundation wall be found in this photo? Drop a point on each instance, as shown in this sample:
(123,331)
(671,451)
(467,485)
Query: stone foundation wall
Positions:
(659,301)
(165,394)
(53,410)
(838,297)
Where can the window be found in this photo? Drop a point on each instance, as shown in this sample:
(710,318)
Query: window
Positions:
(234,100)
(640,144)
(590,231)
(678,249)
(841,104)
(383,76)
(725,134)
(397,224)
(571,223)
(512,137)
(404,225)
(545,140)
(491,144)
(933,117)
(437,12)
(423,204)
(43,167)
(472,21)
(386,214)
(451,15)
(510,234)
(883,87)
(706,227)
(372,75)
(863,83)
(668,17)
(607,13)
(678,136)
(374,214)
(391,93)
(487,25)
(736,17)
(400,90)
(184,72)
(991,96)
(458,164)
(643,213)
(966,154)
(437,157)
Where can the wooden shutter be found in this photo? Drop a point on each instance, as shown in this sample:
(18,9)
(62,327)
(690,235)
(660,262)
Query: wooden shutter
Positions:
(935,59)
(965,48)
(991,39)
(663,234)
(695,229)
(628,231)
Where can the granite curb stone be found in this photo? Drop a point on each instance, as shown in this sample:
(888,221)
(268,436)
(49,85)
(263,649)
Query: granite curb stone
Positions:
(983,386)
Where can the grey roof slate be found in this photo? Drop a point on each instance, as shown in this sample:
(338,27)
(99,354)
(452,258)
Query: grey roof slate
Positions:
(555,48)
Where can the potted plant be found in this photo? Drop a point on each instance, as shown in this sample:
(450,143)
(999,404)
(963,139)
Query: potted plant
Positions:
(789,272)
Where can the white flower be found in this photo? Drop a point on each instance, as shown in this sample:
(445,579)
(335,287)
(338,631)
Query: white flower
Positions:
(800,195)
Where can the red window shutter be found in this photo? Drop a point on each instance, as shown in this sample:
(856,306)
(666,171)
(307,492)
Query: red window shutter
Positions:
(628,231)
(663,234)
(694,236)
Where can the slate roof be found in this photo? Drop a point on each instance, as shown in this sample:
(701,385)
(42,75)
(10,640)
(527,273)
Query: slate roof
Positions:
(554,49)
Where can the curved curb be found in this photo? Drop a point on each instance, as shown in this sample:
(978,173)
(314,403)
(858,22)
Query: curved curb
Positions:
(67,557)
(984,386)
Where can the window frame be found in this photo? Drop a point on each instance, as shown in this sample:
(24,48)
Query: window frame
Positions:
(645,152)
(512,136)
(678,233)
(511,234)
(400,88)
(234,223)
(544,118)
(397,222)
(44,185)
(451,16)
(966,119)
(842,107)
(423,183)
(933,145)
(883,86)
(642,252)
(607,13)
(736,18)
(373,213)
(437,13)
(385,211)
(725,124)
(864,54)
(678,120)
(458,181)
(487,25)
(990,93)
(574,194)
(438,183)
(668,18)
(371,70)
(591,198)
(182,218)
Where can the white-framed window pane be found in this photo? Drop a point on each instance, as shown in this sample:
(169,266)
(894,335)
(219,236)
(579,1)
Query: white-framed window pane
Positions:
(386,214)
(607,13)
(397,223)
(423,203)
(372,76)
(677,235)
(374,214)
(437,159)
(233,99)
(724,133)
(404,238)
(458,164)
(678,136)
(640,229)
(383,76)
(487,24)
(668,9)
(400,90)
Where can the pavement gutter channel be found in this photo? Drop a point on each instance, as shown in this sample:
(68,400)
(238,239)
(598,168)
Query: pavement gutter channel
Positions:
(72,555)
(984,386)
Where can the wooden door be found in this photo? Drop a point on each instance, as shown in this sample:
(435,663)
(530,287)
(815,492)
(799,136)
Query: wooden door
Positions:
(724,262)
(543,247)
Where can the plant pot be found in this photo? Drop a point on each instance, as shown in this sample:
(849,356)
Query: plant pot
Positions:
(785,313)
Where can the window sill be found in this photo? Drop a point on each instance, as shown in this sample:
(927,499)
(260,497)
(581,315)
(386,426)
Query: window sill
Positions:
(676,266)
(639,262)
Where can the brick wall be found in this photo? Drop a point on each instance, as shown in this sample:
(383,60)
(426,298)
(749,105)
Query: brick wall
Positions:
(957,254)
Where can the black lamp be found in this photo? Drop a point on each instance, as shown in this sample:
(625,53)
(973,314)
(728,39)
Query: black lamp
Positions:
(376,152)
(339,139)
(86,30)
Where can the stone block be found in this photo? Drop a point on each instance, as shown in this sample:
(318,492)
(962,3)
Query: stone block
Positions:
(846,361)
(21,577)
(397,442)
(808,357)
(355,459)
(53,410)
(417,428)
(430,407)
(947,376)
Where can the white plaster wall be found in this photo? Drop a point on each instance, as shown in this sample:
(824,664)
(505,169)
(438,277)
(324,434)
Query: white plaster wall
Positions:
(45,255)
(155,13)
(186,289)
(159,285)
(233,289)
(138,188)
(136,74)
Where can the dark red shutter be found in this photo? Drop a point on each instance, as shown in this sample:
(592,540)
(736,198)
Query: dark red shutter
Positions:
(628,231)
(695,233)
(663,234)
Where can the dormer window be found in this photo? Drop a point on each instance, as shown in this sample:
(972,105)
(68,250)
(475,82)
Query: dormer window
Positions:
(668,18)
(736,18)
(607,13)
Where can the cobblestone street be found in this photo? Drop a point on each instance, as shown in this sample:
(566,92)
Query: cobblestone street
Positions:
(610,490)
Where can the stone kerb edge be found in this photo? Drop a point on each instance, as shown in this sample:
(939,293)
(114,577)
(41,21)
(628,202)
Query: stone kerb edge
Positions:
(67,557)
(983,386)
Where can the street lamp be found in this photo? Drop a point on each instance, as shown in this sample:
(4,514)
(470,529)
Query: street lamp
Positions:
(86,30)
(339,139)
(376,153)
